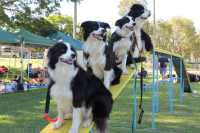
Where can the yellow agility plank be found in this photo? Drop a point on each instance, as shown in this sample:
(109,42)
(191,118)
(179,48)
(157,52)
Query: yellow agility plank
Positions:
(115,90)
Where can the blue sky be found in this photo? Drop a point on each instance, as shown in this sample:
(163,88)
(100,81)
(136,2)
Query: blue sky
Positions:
(107,10)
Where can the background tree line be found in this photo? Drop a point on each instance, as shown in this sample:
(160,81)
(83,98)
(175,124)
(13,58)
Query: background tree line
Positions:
(38,16)
(177,35)
(42,17)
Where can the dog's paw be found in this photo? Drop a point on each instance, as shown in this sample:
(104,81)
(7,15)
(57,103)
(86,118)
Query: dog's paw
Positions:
(132,66)
(125,71)
(57,124)
(86,123)
(73,130)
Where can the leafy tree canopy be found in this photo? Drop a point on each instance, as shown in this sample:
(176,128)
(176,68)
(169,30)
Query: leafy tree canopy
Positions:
(62,23)
(177,35)
(13,11)
(31,14)
(124,6)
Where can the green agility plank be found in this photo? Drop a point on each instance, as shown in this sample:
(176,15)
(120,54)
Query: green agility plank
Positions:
(176,62)
(187,87)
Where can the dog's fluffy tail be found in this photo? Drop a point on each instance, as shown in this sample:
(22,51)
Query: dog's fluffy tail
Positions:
(118,73)
(129,60)
(101,109)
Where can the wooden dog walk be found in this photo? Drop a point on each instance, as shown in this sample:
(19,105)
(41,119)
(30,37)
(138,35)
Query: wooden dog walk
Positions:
(115,90)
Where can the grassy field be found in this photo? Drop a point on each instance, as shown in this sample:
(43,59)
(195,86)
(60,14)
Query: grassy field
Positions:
(14,65)
(22,112)
(15,62)
(184,119)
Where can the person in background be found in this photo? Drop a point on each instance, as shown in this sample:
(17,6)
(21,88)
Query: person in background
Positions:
(163,70)
(31,72)
(143,73)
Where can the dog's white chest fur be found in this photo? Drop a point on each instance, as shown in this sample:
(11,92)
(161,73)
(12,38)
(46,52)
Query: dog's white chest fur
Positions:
(139,42)
(62,75)
(97,58)
(121,47)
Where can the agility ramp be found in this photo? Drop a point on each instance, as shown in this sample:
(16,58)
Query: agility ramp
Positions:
(187,87)
(178,63)
(115,90)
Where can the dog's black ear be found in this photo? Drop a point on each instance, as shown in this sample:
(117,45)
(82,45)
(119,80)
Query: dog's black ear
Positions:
(119,23)
(74,50)
(147,41)
(85,24)
(136,10)
(106,25)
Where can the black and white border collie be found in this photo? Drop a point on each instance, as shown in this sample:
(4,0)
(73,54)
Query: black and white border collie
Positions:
(121,40)
(99,58)
(142,41)
(72,87)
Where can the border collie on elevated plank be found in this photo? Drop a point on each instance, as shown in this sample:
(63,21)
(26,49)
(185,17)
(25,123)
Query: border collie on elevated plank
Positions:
(121,40)
(99,57)
(141,40)
(72,87)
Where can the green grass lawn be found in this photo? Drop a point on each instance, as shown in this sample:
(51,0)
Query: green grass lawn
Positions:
(22,112)
(15,62)
(184,119)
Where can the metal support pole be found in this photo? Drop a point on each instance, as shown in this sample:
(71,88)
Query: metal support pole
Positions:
(21,61)
(91,131)
(157,85)
(134,126)
(170,87)
(153,91)
(75,19)
(28,72)
(183,78)
(181,89)
(154,12)
(154,22)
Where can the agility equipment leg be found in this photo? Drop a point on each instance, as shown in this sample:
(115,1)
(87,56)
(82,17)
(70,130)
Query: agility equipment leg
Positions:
(181,88)
(153,91)
(170,87)
(134,124)
(156,85)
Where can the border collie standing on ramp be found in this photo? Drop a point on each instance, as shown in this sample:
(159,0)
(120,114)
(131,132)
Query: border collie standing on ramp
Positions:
(121,40)
(98,55)
(141,40)
(72,87)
